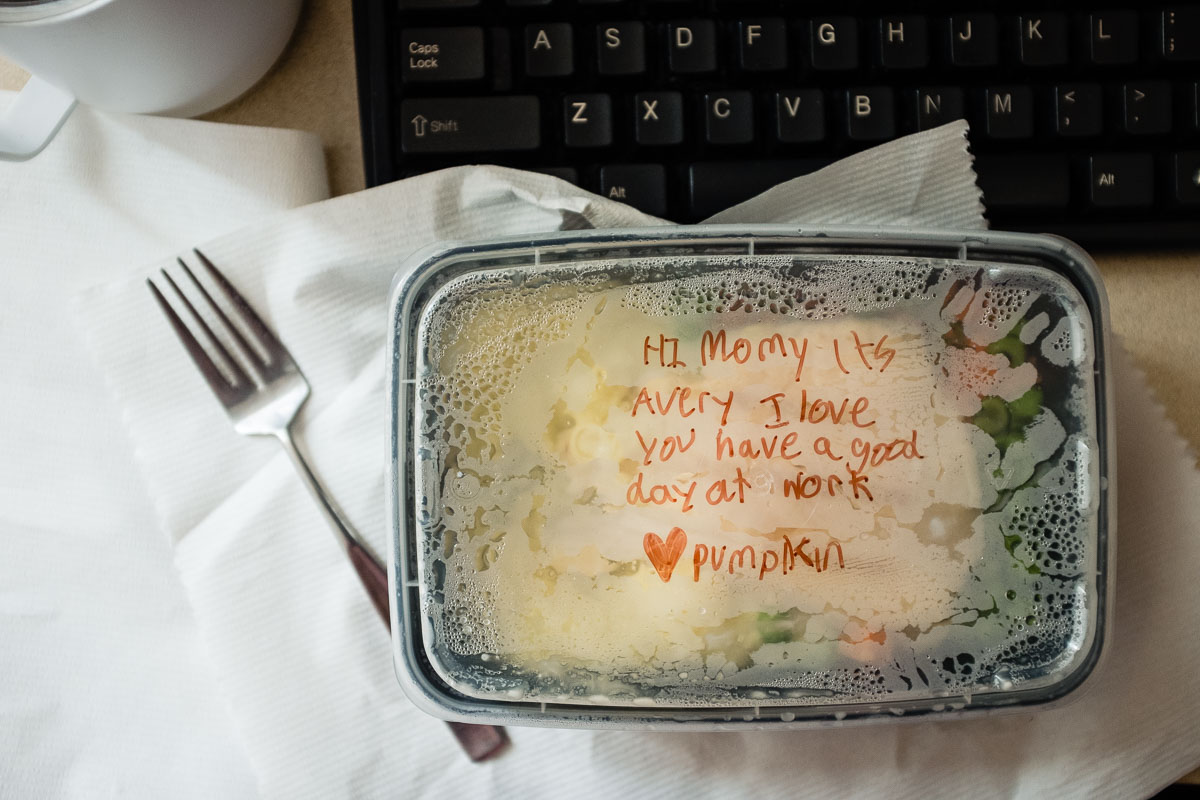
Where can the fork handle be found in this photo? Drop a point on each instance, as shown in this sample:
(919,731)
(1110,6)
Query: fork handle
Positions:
(348,539)
(480,742)
(373,577)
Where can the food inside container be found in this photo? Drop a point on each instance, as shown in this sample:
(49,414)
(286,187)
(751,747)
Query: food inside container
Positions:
(760,476)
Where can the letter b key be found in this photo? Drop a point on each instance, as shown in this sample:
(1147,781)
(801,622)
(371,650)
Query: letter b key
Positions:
(870,113)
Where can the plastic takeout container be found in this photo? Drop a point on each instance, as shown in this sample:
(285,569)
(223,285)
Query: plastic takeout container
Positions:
(723,477)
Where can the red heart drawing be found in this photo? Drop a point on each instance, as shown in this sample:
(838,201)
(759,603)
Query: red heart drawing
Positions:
(665,555)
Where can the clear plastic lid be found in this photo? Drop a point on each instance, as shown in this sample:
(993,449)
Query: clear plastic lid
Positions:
(748,475)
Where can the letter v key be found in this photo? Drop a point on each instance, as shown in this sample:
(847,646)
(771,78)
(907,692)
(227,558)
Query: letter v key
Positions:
(800,116)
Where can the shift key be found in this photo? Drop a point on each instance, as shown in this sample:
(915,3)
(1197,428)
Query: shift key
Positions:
(470,124)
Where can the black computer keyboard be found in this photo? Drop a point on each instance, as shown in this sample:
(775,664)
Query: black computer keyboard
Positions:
(1085,120)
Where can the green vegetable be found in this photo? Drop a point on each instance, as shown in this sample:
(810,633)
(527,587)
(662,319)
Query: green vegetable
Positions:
(1025,408)
(774,628)
(1011,346)
(1006,422)
(993,417)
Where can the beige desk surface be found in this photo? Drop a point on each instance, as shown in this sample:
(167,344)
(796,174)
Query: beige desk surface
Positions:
(1155,296)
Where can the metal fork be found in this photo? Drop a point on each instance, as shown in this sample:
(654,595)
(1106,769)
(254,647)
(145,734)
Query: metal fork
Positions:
(262,390)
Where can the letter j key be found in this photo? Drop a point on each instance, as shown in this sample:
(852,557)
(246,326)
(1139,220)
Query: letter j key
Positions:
(973,40)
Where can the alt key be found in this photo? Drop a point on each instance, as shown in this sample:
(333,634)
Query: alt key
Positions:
(1187,177)
(1122,180)
(643,186)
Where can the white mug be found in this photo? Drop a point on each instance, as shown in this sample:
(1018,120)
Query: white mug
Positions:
(174,57)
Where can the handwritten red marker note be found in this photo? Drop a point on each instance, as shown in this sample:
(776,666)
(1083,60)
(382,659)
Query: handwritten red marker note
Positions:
(665,555)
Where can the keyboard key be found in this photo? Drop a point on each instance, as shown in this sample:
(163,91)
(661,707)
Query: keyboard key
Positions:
(1113,37)
(1124,180)
(658,118)
(1078,110)
(1043,39)
(568,174)
(800,116)
(587,120)
(903,43)
(1181,34)
(692,46)
(442,54)
(621,48)
(870,114)
(549,50)
(470,124)
(762,44)
(973,40)
(415,4)
(1187,177)
(1024,181)
(937,105)
(1147,107)
(833,43)
(713,187)
(1009,112)
(643,186)
(729,117)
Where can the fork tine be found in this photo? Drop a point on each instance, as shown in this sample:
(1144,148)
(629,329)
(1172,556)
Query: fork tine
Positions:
(274,348)
(257,360)
(225,390)
(239,374)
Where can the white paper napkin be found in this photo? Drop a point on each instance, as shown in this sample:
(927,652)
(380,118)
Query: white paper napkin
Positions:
(104,687)
(303,660)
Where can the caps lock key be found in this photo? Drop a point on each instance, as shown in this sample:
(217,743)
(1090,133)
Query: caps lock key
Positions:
(442,54)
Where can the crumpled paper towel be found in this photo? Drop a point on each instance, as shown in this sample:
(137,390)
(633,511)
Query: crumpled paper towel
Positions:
(303,660)
(104,687)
